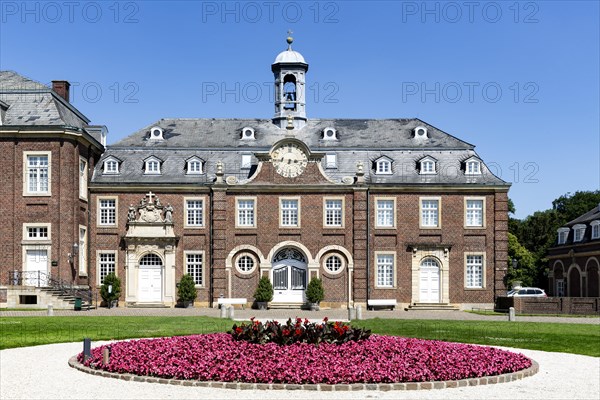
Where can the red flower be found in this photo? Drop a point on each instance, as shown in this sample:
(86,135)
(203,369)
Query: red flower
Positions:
(298,332)
(325,319)
(285,332)
(238,330)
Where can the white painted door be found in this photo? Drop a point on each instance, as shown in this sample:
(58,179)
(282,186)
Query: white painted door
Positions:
(430,281)
(150,285)
(289,282)
(36,268)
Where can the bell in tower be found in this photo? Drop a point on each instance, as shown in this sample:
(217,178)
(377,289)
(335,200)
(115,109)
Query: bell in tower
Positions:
(289,70)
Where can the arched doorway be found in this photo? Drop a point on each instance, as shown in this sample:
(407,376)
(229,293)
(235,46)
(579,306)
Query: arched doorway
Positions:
(574,282)
(429,281)
(150,279)
(592,279)
(289,275)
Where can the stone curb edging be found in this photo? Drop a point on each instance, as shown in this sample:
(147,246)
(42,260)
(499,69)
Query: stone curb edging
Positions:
(485,380)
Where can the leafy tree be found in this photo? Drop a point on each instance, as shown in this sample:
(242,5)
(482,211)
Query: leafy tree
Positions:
(571,206)
(521,263)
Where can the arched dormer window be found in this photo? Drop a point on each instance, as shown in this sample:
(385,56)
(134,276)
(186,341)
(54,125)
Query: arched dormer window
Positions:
(194,166)
(472,166)
(420,132)
(110,166)
(578,232)
(248,133)
(595,229)
(289,92)
(152,166)
(427,166)
(156,133)
(563,233)
(383,166)
(329,134)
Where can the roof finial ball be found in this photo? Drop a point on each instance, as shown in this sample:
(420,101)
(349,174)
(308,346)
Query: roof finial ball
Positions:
(290,40)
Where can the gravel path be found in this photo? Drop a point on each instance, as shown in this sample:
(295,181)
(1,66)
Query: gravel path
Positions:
(42,372)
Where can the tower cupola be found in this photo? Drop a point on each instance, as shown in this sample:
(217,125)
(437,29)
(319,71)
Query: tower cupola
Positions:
(289,70)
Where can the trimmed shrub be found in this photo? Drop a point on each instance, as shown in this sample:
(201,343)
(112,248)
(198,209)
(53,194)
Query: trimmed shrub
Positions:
(110,279)
(315,292)
(187,289)
(264,290)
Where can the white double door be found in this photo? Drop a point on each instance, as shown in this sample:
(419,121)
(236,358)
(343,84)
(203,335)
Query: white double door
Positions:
(289,281)
(150,284)
(429,284)
(36,268)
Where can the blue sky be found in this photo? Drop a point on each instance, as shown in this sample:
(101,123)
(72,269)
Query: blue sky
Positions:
(520,80)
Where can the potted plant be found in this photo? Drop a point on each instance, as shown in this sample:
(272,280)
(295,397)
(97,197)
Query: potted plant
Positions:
(186,291)
(263,293)
(315,293)
(111,290)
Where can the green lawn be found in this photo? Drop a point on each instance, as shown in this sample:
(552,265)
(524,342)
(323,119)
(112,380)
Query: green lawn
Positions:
(567,338)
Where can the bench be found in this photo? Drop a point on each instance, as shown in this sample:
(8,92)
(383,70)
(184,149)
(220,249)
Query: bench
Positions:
(372,303)
(232,301)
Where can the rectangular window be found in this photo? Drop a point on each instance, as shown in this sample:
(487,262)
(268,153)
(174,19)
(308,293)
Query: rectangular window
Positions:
(82,251)
(474,213)
(193,267)
(595,231)
(289,212)
(246,161)
(83,178)
(37,232)
(430,213)
(385,213)
(385,270)
(578,235)
(560,287)
(334,212)
(38,174)
(331,161)
(106,263)
(474,271)
(245,212)
(194,212)
(107,209)
(562,236)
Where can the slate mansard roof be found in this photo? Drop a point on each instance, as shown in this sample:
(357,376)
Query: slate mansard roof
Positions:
(29,104)
(365,140)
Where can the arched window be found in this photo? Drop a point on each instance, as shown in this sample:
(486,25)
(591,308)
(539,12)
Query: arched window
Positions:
(151,260)
(289,92)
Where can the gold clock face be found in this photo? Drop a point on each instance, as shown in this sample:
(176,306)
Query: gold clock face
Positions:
(289,160)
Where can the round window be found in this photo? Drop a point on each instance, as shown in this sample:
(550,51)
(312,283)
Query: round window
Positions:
(245,264)
(333,264)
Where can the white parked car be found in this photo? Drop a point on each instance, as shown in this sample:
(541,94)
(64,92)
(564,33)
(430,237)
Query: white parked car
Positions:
(527,292)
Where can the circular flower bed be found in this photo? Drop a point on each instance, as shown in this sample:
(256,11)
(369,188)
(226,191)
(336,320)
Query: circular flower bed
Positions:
(378,359)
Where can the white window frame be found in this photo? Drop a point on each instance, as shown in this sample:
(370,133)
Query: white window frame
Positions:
(38,239)
(238,210)
(108,170)
(422,209)
(148,162)
(379,210)
(289,210)
(246,162)
(202,267)
(469,282)
(562,231)
(83,178)
(189,170)
(187,209)
(578,233)
(473,167)
(83,245)
(468,223)
(426,171)
(330,211)
(100,208)
(383,166)
(331,161)
(99,263)
(26,191)
(329,257)
(595,229)
(382,284)
(239,257)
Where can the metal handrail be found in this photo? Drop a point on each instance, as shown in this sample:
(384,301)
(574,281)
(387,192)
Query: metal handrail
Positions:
(44,280)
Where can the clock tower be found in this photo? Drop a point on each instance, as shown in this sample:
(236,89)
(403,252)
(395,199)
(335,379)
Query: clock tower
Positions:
(289,70)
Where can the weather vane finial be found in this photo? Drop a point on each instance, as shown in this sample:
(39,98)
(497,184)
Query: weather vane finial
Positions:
(290,39)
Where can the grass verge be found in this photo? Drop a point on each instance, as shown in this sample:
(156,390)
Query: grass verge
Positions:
(566,338)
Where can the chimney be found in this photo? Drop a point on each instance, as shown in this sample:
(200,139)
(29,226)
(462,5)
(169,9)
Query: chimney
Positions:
(62,89)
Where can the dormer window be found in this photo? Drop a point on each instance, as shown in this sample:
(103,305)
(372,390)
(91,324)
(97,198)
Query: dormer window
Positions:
(111,166)
(152,166)
(248,133)
(156,133)
(472,166)
(421,132)
(383,166)
(595,229)
(427,166)
(331,161)
(329,134)
(246,161)
(578,232)
(194,166)
(562,235)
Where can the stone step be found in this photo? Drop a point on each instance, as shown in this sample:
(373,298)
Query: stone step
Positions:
(147,305)
(286,306)
(432,307)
